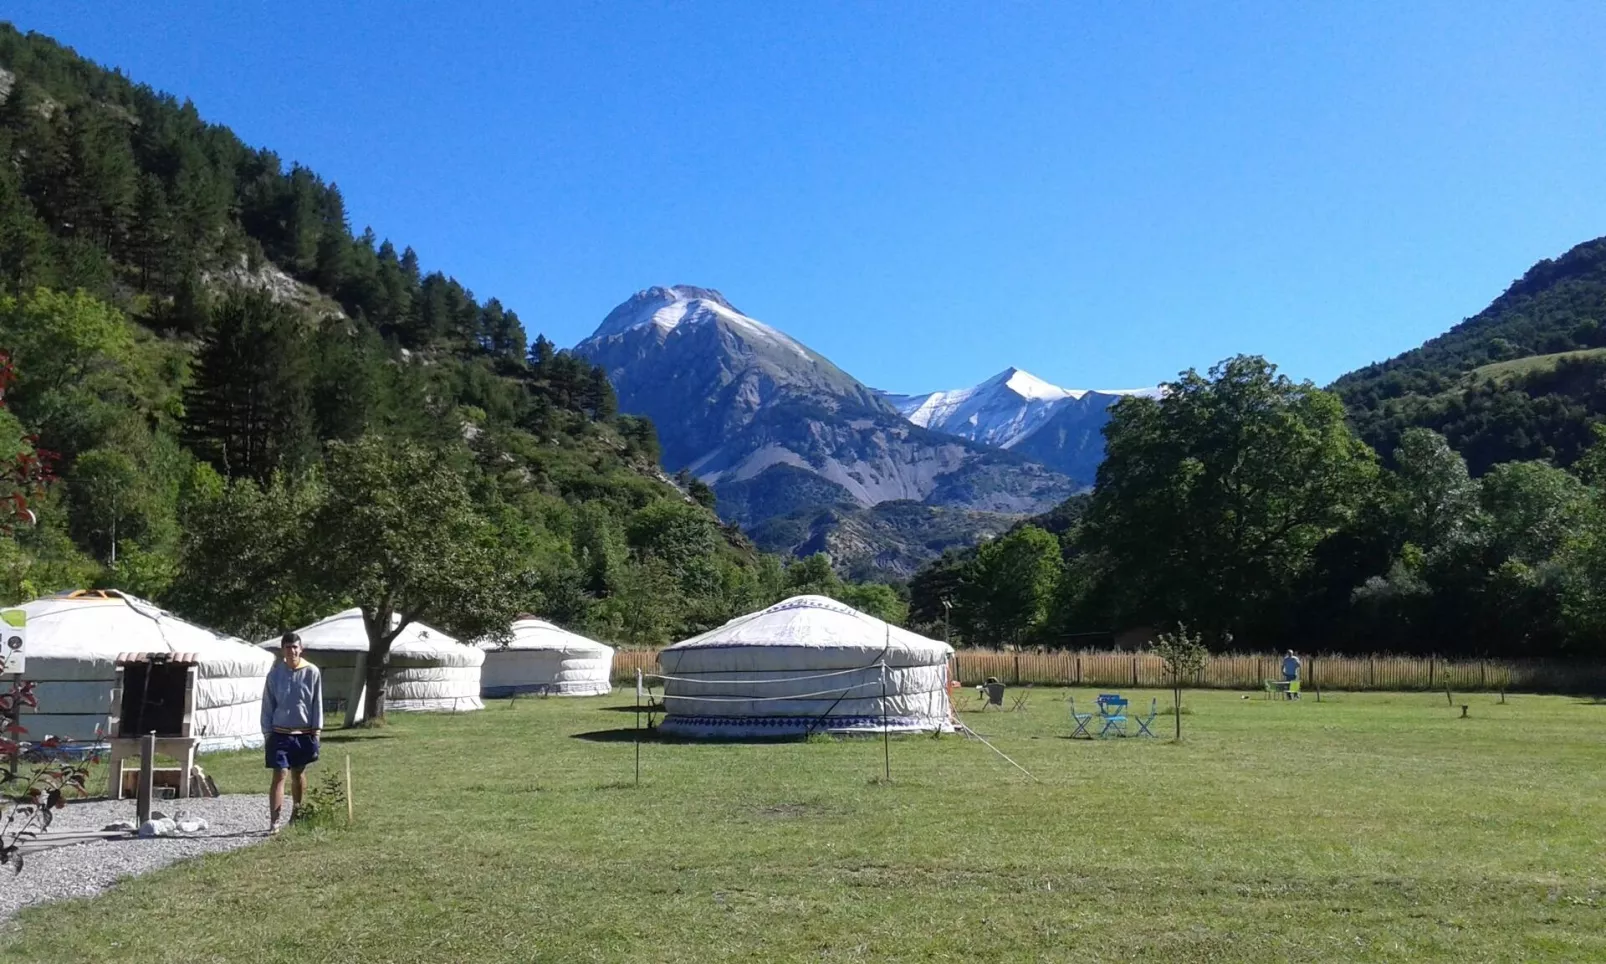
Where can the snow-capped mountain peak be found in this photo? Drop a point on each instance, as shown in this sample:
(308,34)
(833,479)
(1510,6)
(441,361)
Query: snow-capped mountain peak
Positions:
(1030,387)
(667,308)
(1004,409)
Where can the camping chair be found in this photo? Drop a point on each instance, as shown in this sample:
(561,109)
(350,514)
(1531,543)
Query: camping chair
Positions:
(1081,720)
(1143,724)
(994,691)
(1113,709)
(1022,697)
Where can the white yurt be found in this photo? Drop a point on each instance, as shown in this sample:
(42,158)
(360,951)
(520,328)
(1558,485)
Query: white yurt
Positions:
(545,658)
(429,670)
(74,639)
(806,664)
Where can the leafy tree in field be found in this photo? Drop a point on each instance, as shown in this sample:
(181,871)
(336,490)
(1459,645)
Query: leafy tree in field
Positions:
(1530,509)
(1434,498)
(403,541)
(241,565)
(1012,583)
(1212,498)
(876,599)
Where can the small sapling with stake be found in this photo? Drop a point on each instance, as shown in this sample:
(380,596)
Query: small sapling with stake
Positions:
(1184,656)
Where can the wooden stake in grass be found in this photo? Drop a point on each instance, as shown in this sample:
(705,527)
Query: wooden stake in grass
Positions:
(348,790)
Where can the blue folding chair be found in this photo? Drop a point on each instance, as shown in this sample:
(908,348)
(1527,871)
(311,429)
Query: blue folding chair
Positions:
(1081,720)
(1113,709)
(1143,724)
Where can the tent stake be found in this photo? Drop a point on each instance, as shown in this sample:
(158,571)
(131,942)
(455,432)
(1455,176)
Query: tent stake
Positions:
(348,790)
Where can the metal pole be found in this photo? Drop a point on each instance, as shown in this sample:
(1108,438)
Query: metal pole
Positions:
(147,776)
(638,726)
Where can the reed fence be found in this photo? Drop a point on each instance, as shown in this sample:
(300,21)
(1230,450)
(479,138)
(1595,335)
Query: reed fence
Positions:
(1248,671)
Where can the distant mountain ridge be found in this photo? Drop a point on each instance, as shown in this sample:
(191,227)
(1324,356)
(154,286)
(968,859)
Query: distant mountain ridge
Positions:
(1016,410)
(776,428)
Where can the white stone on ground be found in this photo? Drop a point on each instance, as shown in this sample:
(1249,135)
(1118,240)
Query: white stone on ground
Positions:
(86,869)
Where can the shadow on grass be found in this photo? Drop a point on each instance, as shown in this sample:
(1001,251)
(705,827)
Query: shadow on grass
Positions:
(631,708)
(355,736)
(628,735)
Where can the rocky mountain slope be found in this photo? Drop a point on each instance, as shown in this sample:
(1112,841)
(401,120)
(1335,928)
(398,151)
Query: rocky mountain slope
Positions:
(777,429)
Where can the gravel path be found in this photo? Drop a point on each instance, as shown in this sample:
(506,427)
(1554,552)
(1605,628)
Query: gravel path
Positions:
(86,869)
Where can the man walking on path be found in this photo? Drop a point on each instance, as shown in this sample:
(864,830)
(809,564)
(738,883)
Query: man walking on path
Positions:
(292,717)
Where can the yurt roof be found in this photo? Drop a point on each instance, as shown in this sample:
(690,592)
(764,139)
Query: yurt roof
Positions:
(814,622)
(531,633)
(100,624)
(344,631)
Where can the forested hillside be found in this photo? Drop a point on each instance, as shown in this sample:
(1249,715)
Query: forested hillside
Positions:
(192,324)
(1522,379)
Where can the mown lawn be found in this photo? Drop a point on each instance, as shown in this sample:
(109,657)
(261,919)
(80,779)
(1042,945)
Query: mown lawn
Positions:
(1367,827)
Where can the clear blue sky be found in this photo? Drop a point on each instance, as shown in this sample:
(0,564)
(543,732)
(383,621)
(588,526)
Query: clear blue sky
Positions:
(1102,194)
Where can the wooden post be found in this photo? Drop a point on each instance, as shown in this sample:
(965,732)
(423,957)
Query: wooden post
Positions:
(1430,672)
(1078,669)
(348,790)
(1371,673)
(147,776)
(1017,669)
(1134,672)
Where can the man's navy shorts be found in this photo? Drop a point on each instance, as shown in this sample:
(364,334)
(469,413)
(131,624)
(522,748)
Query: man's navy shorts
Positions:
(291,751)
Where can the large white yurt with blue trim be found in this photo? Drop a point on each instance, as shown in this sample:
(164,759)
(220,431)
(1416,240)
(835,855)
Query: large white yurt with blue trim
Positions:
(804,665)
(74,639)
(429,670)
(542,657)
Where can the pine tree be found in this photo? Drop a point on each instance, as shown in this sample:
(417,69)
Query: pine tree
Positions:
(601,402)
(541,352)
(247,409)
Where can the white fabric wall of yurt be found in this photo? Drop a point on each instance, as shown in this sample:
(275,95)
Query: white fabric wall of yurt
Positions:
(74,640)
(429,670)
(544,658)
(806,664)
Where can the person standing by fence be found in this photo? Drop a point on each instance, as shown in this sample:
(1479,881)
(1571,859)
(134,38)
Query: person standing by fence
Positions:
(1291,665)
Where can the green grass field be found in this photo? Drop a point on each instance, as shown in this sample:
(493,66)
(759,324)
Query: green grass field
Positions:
(1532,363)
(1365,828)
